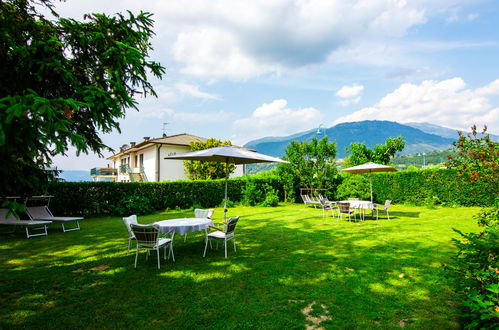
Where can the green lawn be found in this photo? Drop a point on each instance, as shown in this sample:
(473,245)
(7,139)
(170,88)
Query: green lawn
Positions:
(293,269)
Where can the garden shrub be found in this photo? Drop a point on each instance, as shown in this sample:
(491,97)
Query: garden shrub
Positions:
(251,195)
(271,198)
(138,205)
(354,185)
(477,271)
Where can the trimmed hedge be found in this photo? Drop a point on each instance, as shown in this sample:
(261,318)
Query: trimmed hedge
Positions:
(441,185)
(416,187)
(96,198)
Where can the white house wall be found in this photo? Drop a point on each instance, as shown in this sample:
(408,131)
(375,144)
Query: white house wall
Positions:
(149,163)
(171,170)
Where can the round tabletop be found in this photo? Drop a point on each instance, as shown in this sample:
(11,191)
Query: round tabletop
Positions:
(184,225)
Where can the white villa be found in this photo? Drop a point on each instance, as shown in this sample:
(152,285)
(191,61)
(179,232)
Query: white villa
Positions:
(145,161)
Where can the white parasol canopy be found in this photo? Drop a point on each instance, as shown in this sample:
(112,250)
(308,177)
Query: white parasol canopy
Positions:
(369,168)
(227,154)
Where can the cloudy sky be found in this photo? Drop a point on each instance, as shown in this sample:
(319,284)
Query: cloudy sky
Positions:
(242,70)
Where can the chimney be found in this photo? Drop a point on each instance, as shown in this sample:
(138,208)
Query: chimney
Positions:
(146,138)
(132,144)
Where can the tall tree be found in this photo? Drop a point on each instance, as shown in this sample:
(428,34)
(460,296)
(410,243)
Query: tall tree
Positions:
(198,170)
(311,165)
(380,154)
(62,82)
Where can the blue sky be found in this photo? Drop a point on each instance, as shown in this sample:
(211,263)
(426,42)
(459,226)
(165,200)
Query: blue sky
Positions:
(241,70)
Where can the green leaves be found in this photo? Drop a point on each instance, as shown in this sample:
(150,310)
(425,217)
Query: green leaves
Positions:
(64,82)
(312,165)
(380,154)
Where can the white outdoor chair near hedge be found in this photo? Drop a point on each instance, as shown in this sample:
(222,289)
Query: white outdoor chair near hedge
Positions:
(224,235)
(149,238)
(201,213)
(128,221)
(344,208)
(382,208)
(8,219)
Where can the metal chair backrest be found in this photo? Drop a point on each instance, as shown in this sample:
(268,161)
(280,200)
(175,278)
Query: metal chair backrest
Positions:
(344,207)
(203,213)
(128,221)
(387,203)
(354,199)
(35,212)
(231,225)
(146,235)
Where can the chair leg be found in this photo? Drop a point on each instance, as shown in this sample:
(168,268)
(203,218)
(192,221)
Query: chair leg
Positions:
(205,246)
(388,215)
(157,253)
(185,237)
(234,241)
(129,241)
(136,256)
(171,250)
(225,246)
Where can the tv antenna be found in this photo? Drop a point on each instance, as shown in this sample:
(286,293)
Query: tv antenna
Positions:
(164,129)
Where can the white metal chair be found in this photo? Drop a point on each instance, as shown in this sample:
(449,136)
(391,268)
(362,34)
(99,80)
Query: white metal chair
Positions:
(344,208)
(201,213)
(128,221)
(382,208)
(224,235)
(327,205)
(148,238)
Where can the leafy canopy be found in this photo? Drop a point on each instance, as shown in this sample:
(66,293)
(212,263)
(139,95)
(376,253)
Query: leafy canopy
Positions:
(380,154)
(477,157)
(64,82)
(311,165)
(199,170)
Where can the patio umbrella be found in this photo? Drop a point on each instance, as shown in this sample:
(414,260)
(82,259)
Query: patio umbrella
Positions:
(369,168)
(227,154)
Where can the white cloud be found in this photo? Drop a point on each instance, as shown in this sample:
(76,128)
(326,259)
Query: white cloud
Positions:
(448,103)
(350,91)
(274,119)
(193,91)
(243,39)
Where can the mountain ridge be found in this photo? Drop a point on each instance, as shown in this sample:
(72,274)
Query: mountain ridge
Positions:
(371,132)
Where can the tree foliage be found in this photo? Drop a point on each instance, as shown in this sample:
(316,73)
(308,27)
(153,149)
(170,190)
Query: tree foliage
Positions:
(311,165)
(477,262)
(477,158)
(380,154)
(64,82)
(200,170)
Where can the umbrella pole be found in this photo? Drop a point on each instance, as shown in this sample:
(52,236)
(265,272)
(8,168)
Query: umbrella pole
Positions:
(226,180)
(371,184)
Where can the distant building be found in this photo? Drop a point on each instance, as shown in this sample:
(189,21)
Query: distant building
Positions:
(145,161)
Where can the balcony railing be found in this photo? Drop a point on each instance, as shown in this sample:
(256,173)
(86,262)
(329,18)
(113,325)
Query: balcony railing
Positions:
(103,171)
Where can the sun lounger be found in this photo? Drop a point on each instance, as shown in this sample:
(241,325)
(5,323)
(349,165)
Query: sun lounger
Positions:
(43,213)
(11,220)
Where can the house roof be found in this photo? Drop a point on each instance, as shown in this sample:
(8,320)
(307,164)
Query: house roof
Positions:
(178,140)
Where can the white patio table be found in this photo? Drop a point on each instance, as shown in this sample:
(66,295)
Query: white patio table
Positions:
(184,225)
(361,205)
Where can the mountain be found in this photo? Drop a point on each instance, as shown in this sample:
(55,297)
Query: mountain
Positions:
(369,132)
(443,131)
